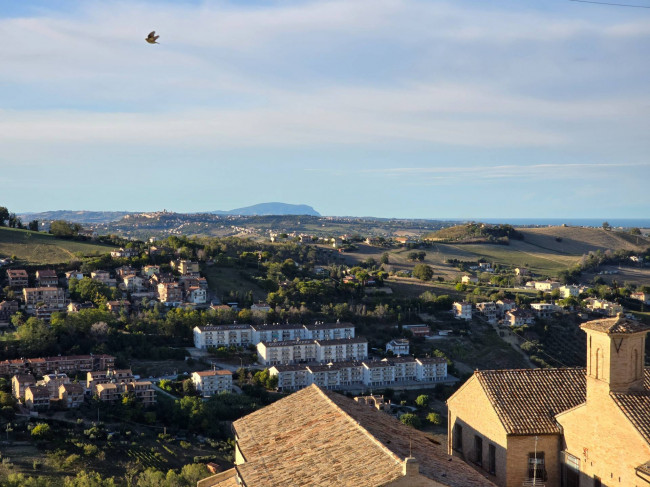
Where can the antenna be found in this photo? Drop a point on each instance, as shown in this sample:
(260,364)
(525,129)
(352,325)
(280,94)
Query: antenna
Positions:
(535,465)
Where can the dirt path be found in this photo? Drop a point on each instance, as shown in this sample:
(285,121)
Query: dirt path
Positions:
(514,342)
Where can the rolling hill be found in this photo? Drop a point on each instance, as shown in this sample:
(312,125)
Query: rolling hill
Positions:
(43,248)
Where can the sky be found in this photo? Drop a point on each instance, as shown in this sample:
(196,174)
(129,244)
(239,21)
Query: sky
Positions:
(387,108)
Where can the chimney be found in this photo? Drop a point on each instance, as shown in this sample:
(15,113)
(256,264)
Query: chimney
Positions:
(410,467)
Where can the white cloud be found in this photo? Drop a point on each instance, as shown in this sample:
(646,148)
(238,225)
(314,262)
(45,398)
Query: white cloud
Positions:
(353,72)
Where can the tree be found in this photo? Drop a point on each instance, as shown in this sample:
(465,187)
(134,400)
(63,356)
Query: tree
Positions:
(606,226)
(423,272)
(410,419)
(384,258)
(417,256)
(4,215)
(422,401)
(35,337)
(434,418)
(62,228)
(33,225)
(42,431)
(88,479)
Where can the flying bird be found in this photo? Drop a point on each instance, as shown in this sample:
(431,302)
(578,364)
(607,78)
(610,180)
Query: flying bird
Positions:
(152,38)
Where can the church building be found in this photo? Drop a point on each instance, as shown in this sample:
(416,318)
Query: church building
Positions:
(564,427)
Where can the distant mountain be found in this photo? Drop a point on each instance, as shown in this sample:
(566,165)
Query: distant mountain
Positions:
(273,208)
(81,216)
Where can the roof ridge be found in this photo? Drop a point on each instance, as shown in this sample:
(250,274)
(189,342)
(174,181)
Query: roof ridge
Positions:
(356,424)
(546,369)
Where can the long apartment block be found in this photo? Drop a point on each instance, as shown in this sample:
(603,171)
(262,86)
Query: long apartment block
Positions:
(310,351)
(386,373)
(245,334)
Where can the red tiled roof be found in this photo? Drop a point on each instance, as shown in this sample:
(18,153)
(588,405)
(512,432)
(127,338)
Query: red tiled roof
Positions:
(322,439)
(527,401)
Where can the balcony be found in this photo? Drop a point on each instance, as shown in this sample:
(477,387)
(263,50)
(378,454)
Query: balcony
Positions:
(533,483)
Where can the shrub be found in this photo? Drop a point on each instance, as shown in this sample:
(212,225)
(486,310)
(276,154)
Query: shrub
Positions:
(434,418)
(422,401)
(41,431)
(410,419)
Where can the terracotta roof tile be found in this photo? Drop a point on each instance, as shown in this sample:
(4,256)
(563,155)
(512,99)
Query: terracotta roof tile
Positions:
(309,438)
(527,401)
(619,324)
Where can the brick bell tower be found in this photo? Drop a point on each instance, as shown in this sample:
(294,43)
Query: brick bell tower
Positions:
(615,355)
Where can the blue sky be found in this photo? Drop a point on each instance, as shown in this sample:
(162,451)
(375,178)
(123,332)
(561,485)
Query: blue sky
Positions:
(390,108)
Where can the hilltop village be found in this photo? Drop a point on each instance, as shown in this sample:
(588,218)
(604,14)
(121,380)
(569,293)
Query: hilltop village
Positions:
(182,341)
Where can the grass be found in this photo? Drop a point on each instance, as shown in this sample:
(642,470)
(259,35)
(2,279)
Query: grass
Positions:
(483,349)
(42,248)
(222,280)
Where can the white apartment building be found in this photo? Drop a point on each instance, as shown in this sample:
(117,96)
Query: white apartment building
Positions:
(210,382)
(277,332)
(325,376)
(543,310)
(389,372)
(399,346)
(378,373)
(546,285)
(488,309)
(329,331)
(222,335)
(569,291)
(51,297)
(432,369)
(341,349)
(290,377)
(462,310)
(286,352)
(197,295)
(405,368)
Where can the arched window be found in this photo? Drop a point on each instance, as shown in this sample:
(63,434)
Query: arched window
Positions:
(599,359)
(637,364)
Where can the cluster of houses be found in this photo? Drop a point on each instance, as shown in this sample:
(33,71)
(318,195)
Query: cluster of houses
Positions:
(60,363)
(56,390)
(50,294)
(338,242)
(505,311)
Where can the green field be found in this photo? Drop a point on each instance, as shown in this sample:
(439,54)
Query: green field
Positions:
(42,248)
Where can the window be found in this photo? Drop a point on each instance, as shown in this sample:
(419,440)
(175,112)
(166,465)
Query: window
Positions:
(458,437)
(478,450)
(536,466)
(492,459)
